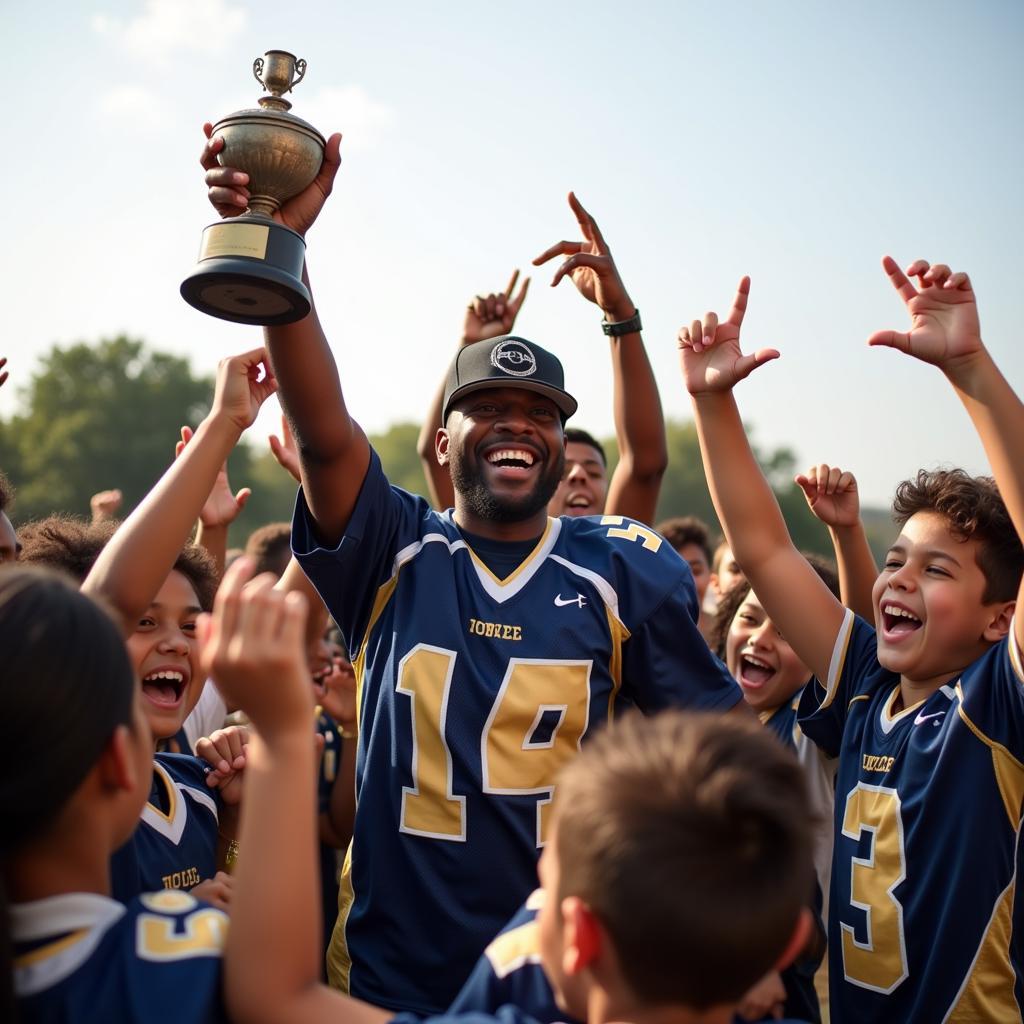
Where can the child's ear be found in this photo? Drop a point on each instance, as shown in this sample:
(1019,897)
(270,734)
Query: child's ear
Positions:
(798,941)
(581,936)
(116,763)
(999,624)
(441,446)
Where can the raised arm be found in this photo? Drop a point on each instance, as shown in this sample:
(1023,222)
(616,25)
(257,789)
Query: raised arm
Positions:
(945,331)
(253,648)
(639,423)
(791,592)
(132,567)
(333,449)
(487,316)
(831,496)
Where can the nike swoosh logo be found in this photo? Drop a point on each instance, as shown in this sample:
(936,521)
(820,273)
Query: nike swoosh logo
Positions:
(561,602)
(924,718)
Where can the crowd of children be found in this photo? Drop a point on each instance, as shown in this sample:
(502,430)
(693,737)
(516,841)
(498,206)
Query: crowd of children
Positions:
(498,757)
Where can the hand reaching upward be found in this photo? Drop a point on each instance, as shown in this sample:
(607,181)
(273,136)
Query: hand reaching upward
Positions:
(831,495)
(489,316)
(223,506)
(710,353)
(943,313)
(244,383)
(591,267)
(285,450)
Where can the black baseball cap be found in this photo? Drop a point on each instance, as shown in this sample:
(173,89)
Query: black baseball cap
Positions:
(506,362)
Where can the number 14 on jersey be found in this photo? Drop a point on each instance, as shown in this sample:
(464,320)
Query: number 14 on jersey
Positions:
(513,761)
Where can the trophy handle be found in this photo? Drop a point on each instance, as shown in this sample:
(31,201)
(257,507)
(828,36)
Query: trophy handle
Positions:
(257,70)
(300,67)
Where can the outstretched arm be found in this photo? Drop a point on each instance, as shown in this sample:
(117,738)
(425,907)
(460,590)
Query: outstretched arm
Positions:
(487,316)
(639,423)
(253,648)
(790,591)
(946,332)
(333,449)
(132,567)
(831,496)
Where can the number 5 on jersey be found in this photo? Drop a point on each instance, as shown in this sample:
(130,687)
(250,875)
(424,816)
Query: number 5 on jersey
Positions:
(514,760)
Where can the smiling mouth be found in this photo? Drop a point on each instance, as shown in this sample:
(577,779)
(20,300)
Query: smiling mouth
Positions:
(164,688)
(515,458)
(754,673)
(897,621)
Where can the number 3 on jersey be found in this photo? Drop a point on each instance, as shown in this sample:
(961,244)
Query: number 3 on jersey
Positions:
(513,761)
(880,963)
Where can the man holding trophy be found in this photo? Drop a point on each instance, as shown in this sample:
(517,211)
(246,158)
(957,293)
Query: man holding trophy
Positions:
(488,641)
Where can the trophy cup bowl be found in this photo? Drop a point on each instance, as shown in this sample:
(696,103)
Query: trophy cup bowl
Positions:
(250,267)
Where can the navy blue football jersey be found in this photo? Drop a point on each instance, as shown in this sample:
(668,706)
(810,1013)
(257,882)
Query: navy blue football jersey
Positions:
(472,692)
(175,844)
(927,818)
(81,957)
(510,972)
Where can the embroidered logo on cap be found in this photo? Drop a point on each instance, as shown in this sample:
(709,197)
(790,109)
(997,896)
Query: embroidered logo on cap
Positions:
(514,357)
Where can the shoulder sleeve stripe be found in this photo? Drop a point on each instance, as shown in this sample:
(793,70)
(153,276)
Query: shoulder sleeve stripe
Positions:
(1008,770)
(835,668)
(514,949)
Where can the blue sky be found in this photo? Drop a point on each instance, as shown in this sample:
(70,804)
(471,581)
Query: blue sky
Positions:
(796,142)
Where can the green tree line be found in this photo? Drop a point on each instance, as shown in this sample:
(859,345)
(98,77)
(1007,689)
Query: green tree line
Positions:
(105,415)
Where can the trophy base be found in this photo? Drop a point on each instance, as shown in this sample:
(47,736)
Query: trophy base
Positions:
(249,272)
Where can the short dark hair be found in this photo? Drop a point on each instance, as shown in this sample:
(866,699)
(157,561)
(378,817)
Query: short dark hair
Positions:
(66,673)
(6,493)
(974,510)
(682,530)
(579,436)
(688,836)
(270,547)
(196,564)
(737,594)
(65,543)
(71,545)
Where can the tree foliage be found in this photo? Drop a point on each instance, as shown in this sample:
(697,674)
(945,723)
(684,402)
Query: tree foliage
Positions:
(98,416)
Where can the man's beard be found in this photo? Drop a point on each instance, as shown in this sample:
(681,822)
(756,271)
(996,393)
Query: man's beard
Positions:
(468,480)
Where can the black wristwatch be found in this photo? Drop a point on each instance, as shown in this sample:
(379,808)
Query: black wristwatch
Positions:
(617,328)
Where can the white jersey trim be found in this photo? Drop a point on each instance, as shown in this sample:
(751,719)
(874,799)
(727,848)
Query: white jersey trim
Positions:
(172,826)
(499,591)
(59,915)
(839,649)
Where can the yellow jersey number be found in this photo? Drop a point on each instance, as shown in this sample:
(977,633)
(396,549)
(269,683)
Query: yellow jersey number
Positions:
(512,762)
(880,963)
(161,938)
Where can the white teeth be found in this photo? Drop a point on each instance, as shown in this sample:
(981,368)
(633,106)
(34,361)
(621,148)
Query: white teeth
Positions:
(511,453)
(172,676)
(759,662)
(892,609)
